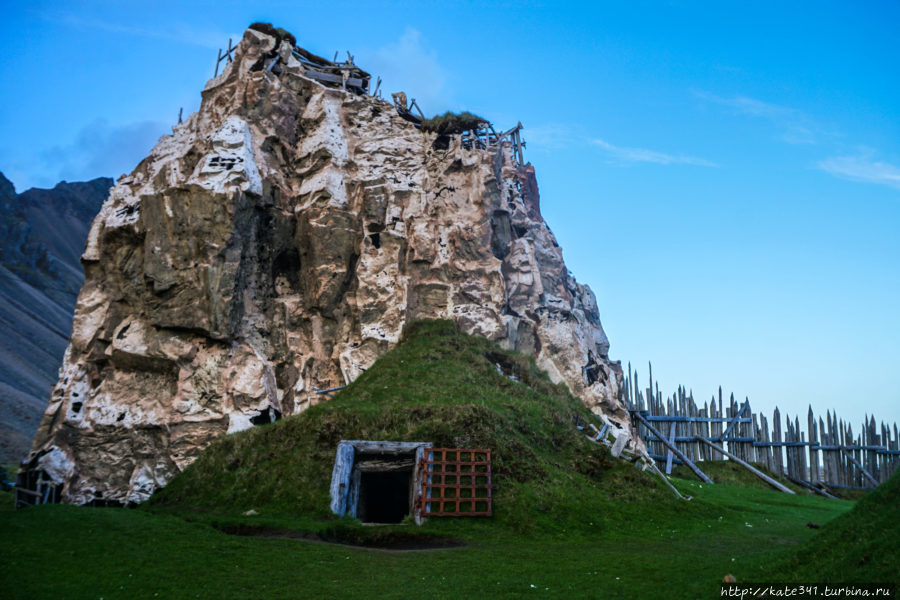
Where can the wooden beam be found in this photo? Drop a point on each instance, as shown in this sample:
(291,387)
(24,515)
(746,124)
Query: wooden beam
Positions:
(27,492)
(683,419)
(751,468)
(416,106)
(340,478)
(600,432)
(860,467)
(381,465)
(812,488)
(379,447)
(519,143)
(329,390)
(331,78)
(734,421)
(675,450)
(666,480)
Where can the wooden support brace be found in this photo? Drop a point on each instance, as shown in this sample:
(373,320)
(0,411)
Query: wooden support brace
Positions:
(749,467)
(329,390)
(675,450)
(812,488)
(734,421)
(860,467)
(509,132)
(600,433)
(419,110)
(666,480)
(519,144)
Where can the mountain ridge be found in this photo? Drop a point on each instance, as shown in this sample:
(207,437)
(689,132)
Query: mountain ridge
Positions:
(42,235)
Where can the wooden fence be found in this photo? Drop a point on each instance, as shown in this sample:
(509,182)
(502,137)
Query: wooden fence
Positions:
(828,453)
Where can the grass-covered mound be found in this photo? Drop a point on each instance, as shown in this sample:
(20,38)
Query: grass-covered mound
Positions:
(863,544)
(278,33)
(441,386)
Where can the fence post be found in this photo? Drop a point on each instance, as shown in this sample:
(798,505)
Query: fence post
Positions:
(871,458)
(764,428)
(669,454)
(749,449)
(790,451)
(776,438)
(813,451)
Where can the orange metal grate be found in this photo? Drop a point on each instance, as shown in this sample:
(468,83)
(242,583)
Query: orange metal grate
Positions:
(456,482)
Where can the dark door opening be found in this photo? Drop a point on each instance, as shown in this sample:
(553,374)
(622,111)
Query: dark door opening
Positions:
(384,496)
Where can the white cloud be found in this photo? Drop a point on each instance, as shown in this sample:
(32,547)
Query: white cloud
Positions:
(796,127)
(635,155)
(862,168)
(408,65)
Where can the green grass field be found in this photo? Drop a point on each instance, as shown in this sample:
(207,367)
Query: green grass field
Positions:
(569,521)
(76,552)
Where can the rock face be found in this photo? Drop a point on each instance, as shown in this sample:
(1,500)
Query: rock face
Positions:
(275,244)
(42,234)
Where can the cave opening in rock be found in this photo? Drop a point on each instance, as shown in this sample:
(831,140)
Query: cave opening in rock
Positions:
(286,272)
(267,416)
(384,496)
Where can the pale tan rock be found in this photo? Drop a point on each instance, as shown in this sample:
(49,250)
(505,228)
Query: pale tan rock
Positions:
(277,243)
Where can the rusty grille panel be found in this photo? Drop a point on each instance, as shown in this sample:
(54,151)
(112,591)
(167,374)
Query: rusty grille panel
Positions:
(456,482)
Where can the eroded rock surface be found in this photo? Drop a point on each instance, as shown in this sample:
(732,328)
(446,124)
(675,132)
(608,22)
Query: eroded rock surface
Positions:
(276,243)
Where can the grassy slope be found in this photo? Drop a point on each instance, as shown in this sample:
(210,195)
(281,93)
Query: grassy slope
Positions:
(568,520)
(731,473)
(861,545)
(75,552)
(443,387)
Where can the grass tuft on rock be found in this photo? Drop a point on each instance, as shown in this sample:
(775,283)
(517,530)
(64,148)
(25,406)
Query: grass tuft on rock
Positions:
(451,123)
(278,33)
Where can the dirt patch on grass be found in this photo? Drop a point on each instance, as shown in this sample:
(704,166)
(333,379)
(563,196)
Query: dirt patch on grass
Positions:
(395,542)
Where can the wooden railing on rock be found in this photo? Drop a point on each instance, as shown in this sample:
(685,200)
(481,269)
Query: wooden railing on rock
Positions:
(348,76)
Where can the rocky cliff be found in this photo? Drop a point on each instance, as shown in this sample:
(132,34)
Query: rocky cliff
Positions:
(275,245)
(42,235)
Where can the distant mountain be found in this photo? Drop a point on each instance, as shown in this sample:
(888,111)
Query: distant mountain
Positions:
(42,236)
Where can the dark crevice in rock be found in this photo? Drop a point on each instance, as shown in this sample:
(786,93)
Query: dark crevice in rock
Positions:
(501,234)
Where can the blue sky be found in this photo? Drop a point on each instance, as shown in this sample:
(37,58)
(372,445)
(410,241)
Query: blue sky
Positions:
(725,176)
